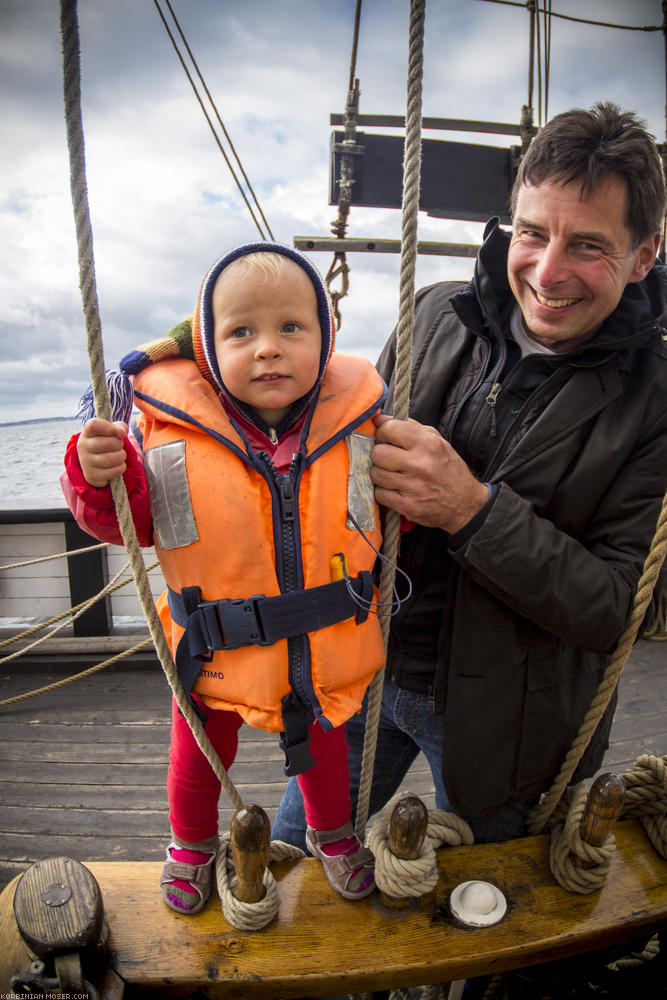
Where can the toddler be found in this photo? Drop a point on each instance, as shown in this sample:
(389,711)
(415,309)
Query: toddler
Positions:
(249,472)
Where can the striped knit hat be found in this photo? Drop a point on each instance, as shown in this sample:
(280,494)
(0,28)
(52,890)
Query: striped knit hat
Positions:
(194,339)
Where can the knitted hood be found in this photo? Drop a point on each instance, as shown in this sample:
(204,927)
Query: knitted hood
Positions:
(194,339)
(203,328)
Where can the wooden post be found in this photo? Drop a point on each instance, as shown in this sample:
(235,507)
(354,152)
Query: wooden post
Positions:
(250,839)
(407,829)
(603,807)
(87,577)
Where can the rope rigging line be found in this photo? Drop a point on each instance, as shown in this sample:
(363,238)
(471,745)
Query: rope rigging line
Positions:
(339,267)
(75,145)
(410,210)
(210,123)
(75,677)
(57,555)
(579,20)
(543,61)
(654,560)
(65,617)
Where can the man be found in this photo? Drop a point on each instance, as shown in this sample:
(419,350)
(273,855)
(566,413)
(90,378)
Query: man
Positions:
(534,464)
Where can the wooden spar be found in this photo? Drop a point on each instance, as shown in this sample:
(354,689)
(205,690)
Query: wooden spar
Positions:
(161,953)
(356,244)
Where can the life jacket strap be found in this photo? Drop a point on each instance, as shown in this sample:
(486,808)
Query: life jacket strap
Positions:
(261,621)
(295,738)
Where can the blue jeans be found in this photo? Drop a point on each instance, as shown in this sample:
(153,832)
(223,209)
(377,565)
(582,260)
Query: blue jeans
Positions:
(406,726)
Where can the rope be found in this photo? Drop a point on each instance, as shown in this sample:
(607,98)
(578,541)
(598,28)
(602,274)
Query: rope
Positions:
(646,798)
(58,555)
(576,865)
(410,209)
(75,143)
(658,630)
(339,267)
(66,617)
(210,123)
(654,560)
(250,916)
(411,879)
(581,868)
(76,677)
(580,20)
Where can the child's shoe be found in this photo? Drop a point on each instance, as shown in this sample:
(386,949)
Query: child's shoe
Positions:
(186,878)
(348,865)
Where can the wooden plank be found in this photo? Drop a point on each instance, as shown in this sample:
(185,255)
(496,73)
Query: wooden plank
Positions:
(28,590)
(124,733)
(54,569)
(120,709)
(157,950)
(447,124)
(48,530)
(352,244)
(479,178)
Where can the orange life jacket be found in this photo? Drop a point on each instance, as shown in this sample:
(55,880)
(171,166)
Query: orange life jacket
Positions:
(227,523)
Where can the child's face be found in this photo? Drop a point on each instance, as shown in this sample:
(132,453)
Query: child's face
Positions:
(267,337)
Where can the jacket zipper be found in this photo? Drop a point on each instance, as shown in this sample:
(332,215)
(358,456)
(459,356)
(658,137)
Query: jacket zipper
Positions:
(491,401)
(289,581)
(473,389)
(295,643)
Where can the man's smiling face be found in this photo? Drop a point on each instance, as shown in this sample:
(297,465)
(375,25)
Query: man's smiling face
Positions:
(571,258)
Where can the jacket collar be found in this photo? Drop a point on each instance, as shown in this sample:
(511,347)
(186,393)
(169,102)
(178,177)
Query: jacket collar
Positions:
(485,303)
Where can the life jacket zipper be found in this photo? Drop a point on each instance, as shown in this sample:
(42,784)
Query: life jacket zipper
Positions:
(290,574)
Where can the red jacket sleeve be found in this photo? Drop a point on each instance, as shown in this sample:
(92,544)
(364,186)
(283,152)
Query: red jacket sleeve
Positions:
(94,509)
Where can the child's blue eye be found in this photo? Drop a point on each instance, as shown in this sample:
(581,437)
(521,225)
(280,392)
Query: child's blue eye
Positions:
(290,327)
(240,332)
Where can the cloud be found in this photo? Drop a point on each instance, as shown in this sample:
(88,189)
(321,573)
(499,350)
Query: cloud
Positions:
(163,204)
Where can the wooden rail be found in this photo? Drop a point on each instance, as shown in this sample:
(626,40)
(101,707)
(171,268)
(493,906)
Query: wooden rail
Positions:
(306,951)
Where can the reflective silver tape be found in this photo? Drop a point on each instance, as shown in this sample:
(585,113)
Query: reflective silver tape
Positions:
(171,506)
(360,498)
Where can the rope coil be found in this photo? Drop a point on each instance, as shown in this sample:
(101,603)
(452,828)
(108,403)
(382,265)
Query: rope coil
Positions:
(250,916)
(577,866)
(402,878)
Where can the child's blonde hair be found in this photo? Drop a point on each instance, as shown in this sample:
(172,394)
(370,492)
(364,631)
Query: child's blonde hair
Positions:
(265,262)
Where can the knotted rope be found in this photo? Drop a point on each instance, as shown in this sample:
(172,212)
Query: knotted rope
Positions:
(75,142)
(646,798)
(410,209)
(250,916)
(401,878)
(579,867)
(569,853)
(539,817)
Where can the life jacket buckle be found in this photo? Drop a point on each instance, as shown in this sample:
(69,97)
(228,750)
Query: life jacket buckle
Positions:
(298,757)
(232,622)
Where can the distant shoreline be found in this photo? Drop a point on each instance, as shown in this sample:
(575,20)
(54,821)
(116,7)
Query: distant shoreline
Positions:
(38,420)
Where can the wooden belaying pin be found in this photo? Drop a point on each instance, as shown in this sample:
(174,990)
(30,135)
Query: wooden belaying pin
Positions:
(250,839)
(603,807)
(407,830)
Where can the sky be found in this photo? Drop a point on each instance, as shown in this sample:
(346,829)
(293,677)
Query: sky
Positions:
(163,203)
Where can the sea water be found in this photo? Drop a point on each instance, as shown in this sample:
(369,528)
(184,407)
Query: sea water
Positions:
(31,460)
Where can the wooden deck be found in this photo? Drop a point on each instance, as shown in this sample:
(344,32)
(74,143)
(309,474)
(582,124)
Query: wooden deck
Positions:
(84,767)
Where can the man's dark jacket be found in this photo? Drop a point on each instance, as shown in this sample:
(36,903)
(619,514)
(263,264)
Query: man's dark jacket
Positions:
(533,601)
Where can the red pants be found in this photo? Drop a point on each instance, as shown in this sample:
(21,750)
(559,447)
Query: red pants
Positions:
(194,790)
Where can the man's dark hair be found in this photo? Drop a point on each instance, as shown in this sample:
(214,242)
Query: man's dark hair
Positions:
(590,146)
